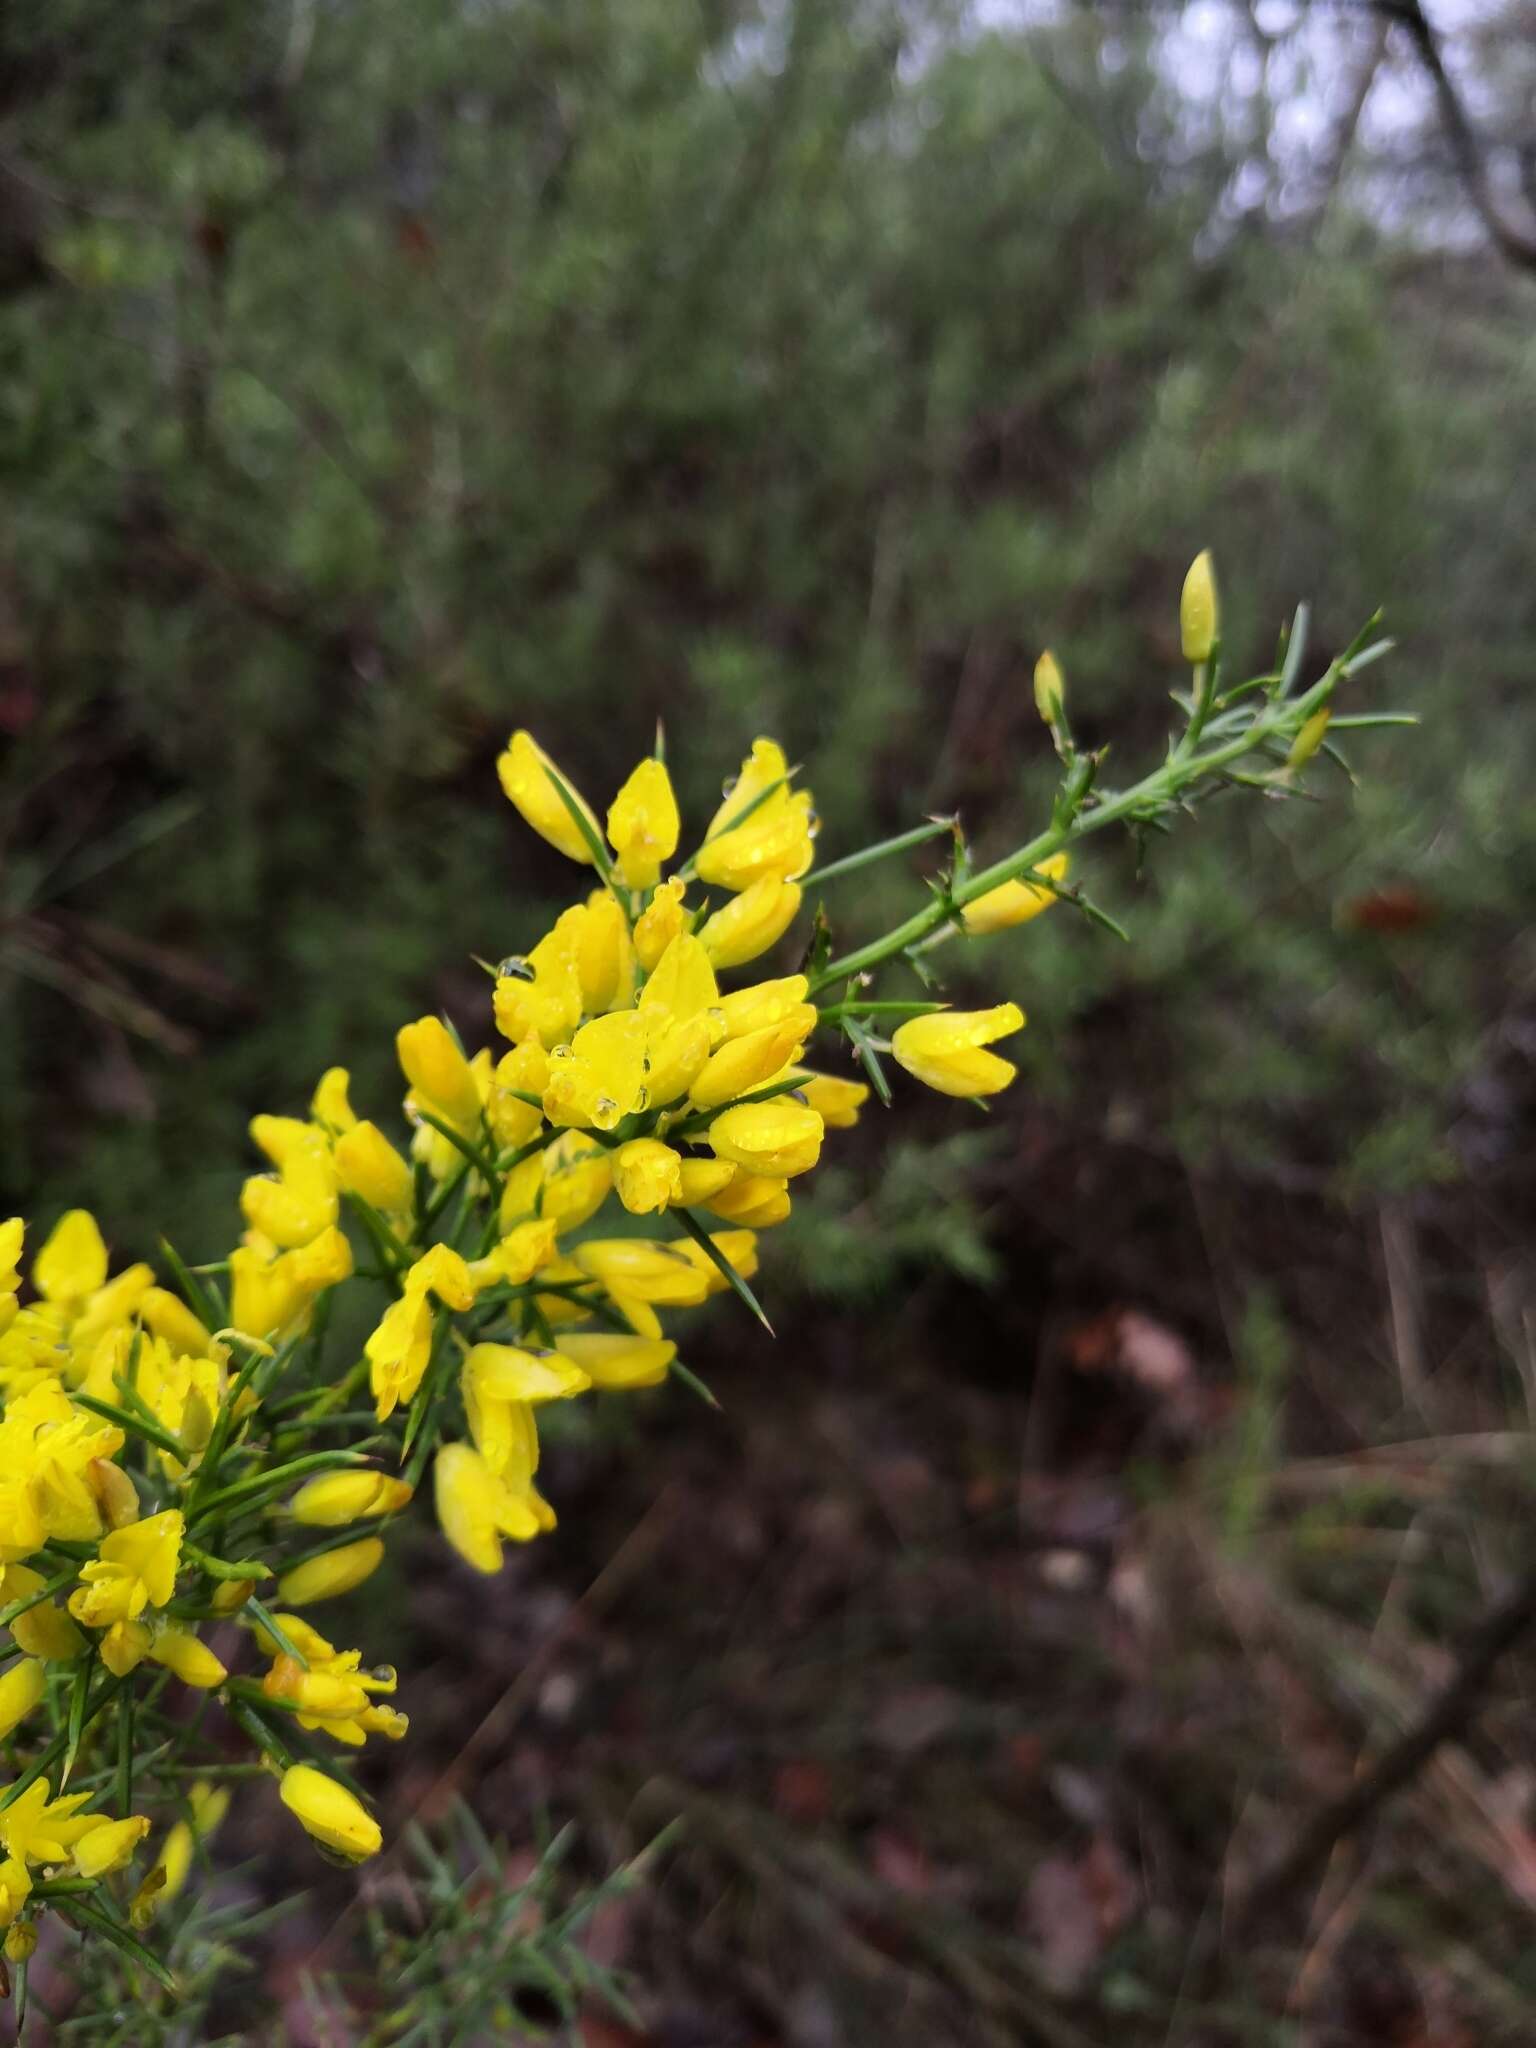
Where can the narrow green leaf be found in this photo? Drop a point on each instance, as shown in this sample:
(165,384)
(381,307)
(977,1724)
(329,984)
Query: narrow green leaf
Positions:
(79,1912)
(692,1380)
(721,1263)
(79,1696)
(1295,649)
(263,1618)
(884,849)
(246,1492)
(600,856)
(868,1059)
(134,1425)
(197,1297)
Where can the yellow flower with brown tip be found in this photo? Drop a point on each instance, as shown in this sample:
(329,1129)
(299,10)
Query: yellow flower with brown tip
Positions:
(946,1051)
(1016,902)
(643,825)
(336,1818)
(135,1568)
(524,770)
(751,922)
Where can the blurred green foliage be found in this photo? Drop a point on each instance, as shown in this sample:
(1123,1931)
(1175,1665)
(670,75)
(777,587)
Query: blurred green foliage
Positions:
(375,377)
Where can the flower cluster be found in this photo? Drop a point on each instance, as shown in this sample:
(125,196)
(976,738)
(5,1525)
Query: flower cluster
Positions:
(186,1466)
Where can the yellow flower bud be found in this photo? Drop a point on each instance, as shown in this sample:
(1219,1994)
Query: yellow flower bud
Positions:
(1016,902)
(524,773)
(737,1247)
(230,1595)
(596,935)
(116,1495)
(330,1813)
(778,839)
(21,1687)
(124,1647)
(755,1200)
(190,1659)
(618,1362)
(438,1072)
(329,1576)
(660,923)
(776,1139)
(763,767)
(577,1178)
(332,1499)
(764,1003)
(945,1050)
(1050,687)
(752,922)
(643,825)
(1309,739)
(1199,613)
(110,1846)
(367,1164)
(743,1064)
(647,1175)
(522,1071)
(702,1179)
(476,1508)
(21,1941)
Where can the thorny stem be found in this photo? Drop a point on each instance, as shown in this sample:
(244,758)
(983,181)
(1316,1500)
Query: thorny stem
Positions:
(1150,795)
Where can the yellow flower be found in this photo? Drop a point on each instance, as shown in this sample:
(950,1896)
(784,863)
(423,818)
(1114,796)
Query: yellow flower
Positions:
(269,1296)
(329,1690)
(596,934)
(476,1508)
(21,1687)
(281,1136)
(1199,612)
(168,1316)
(737,1247)
(776,1139)
(753,1060)
(333,1573)
(638,1272)
(136,1568)
(751,922)
(1309,739)
(1012,903)
(183,1653)
(519,1073)
(1050,688)
(11,1234)
(106,1848)
(945,1050)
(401,1345)
(660,923)
(526,1247)
(643,825)
(37,1828)
(764,1003)
(577,1176)
(332,1499)
(330,1813)
(329,1105)
(598,1079)
(438,1072)
(300,1203)
(45,1630)
(682,984)
(20,1938)
(648,1175)
(367,1164)
(763,768)
(124,1646)
(524,770)
(835,1100)
(501,1384)
(15,1889)
(777,840)
(541,998)
(756,1200)
(702,1179)
(73,1261)
(618,1362)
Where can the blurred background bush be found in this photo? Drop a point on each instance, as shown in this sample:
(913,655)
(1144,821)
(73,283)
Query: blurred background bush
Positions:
(379,374)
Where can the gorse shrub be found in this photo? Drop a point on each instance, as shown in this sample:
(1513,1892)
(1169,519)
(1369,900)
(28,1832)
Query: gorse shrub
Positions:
(188,1469)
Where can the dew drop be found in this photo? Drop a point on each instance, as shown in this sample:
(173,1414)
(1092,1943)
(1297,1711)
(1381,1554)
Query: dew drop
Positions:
(516,968)
(728,787)
(561,1052)
(642,1098)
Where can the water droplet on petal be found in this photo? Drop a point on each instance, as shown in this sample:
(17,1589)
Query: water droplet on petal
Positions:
(728,787)
(516,967)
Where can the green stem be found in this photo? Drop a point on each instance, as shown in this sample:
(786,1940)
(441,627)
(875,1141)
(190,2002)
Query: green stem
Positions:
(1150,794)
